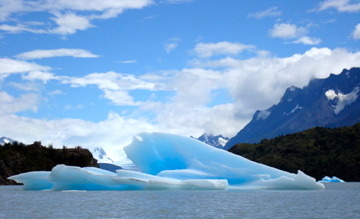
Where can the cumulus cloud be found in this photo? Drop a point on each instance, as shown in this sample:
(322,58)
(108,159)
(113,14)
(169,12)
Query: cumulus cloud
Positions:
(291,31)
(258,83)
(70,24)
(206,50)
(286,31)
(341,5)
(252,84)
(269,12)
(356,33)
(68,16)
(112,133)
(39,54)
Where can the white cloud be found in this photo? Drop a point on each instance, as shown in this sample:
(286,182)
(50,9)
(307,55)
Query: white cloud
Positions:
(269,12)
(93,5)
(258,83)
(291,31)
(286,31)
(206,50)
(70,23)
(39,54)
(67,13)
(112,133)
(120,97)
(110,81)
(341,5)
(20,28)
(10,66)
(40,75)
(114,85)
(253,84)
(356,33)
(308,40)
(7,7)
(10,104)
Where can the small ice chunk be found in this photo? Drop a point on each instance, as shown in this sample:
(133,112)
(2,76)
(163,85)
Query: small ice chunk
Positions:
(327,179)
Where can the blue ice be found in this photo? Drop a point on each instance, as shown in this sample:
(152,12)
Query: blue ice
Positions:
(327,179)
(170,161)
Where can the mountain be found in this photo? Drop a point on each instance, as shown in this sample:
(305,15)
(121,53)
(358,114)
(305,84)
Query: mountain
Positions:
(218,141)
(5,140)
(329,102)
(100,155)
(106,163)
(318,152)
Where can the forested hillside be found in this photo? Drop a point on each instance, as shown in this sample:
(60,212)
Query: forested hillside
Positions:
(18,158)
(317,152)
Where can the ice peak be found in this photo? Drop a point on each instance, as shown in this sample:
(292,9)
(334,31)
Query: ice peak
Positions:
(100,155)
(339,100)
(5,140)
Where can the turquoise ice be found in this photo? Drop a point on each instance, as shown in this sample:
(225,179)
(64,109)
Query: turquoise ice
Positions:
(168,161)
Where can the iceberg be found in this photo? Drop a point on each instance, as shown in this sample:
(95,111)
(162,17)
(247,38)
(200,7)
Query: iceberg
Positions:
(327,179)
(168,161)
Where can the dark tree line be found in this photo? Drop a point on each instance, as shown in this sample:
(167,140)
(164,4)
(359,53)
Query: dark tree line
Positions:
(18,158)
(318,152)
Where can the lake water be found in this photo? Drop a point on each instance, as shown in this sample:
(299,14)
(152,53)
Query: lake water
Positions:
(338,200)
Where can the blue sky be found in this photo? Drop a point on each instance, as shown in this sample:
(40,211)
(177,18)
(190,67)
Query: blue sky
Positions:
(96,72)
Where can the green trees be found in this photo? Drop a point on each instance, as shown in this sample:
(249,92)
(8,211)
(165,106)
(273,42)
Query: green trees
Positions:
(17,158)
(318,152)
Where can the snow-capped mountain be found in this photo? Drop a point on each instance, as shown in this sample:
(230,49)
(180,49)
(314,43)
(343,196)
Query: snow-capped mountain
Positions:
(100,155)
(4,140)
(329,102)
(218,141)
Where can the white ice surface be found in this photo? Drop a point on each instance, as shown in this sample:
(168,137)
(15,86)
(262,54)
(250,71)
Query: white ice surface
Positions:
(171,162)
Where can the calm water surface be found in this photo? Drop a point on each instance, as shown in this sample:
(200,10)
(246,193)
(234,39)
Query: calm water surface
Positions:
(338,200)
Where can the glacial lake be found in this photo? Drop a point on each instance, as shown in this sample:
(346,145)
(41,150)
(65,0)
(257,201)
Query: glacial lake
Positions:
(338,200)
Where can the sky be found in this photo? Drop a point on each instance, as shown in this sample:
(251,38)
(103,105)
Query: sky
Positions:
(97,72)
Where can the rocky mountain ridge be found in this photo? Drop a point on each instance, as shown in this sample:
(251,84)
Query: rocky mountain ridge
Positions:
(217,141)
(329,102)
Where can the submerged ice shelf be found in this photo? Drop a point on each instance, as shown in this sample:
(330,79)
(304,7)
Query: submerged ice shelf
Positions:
(169,161)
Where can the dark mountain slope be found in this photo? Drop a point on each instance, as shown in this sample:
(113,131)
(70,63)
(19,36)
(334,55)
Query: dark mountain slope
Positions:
(318,152)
